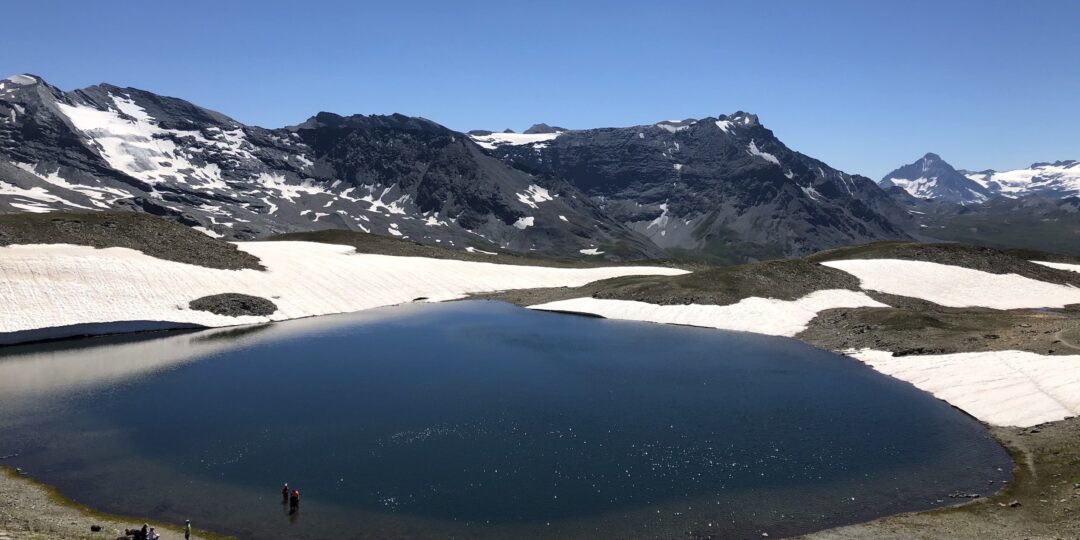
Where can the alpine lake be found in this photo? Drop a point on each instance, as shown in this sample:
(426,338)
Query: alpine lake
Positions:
(482,420)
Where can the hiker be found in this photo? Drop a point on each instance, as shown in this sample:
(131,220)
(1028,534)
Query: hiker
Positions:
(142,532)
(152,535)
(285,493)
(187,529)
(294,501)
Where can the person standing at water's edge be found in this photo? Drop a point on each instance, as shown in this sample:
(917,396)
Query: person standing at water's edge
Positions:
(187,529)
(285,493)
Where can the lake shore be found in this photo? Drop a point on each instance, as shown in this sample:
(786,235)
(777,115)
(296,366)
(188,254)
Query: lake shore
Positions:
(30,510)
(1043,502)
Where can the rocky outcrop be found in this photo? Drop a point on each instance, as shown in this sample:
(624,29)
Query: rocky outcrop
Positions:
(234,305)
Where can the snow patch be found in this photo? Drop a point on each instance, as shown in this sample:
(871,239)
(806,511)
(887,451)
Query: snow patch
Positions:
(761,315)
(496,140)
(1002,388)
(524,222)
(662,220)
(534,194)
(132,142)
(22,80)
(753,149)
(99,195)
(208,232)
(954,286)
(38,196)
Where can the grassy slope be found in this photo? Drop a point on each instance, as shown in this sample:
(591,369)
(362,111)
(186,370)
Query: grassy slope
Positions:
(151,235)
(1055,233)
(385,245)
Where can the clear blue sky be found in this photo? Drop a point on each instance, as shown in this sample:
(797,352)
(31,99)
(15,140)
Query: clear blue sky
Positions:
(864,85)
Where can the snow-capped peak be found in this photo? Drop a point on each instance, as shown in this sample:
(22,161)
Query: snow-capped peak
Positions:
(930,177)
(1057,179)
(23,79)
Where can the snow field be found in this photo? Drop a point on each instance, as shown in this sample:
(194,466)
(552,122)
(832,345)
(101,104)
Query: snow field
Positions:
(953,286)
(1004,388)
(60,285)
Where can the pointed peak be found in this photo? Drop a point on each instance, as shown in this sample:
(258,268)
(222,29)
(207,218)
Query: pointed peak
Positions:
(930,156)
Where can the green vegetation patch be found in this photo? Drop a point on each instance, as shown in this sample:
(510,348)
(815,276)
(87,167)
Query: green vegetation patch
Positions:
(783,279)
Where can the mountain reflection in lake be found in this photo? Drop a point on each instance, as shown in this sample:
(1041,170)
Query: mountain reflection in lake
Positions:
(480,419)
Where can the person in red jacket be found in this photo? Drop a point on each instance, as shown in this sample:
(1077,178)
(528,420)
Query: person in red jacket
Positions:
(294,501)
(285,493)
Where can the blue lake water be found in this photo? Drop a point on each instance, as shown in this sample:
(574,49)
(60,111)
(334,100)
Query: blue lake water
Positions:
(483,420)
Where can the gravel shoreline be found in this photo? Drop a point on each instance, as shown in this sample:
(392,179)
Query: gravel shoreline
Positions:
(30,510)
(1043,502)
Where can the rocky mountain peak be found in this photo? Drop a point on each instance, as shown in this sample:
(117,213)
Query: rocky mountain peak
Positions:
(931,177)
(24,79)
(543,128)
(741,118)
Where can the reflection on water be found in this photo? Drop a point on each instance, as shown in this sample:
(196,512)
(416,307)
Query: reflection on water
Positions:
(479,419)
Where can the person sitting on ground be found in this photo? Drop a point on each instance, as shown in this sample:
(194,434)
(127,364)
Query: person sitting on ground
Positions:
(152,535)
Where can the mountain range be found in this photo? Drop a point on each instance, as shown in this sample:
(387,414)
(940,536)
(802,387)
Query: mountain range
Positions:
(110,148)
(931,177)
(723,189)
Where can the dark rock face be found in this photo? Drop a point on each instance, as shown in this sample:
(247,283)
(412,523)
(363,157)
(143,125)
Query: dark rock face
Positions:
(234,305)
(110,148)
(723,187)
(542,128)
(931,177)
